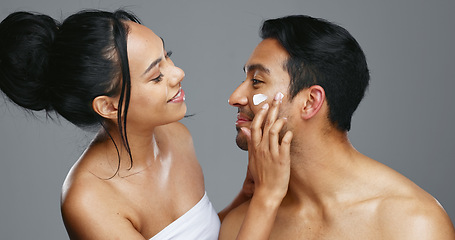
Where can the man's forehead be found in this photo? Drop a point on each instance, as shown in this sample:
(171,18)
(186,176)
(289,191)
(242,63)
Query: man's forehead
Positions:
(267,55)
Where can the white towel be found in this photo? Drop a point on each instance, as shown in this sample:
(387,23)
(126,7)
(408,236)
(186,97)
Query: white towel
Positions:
(201,222)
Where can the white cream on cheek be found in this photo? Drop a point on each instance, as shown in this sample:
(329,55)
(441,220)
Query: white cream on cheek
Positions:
(259,98)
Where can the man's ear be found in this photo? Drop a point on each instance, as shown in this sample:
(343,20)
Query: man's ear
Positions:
(315,97)
(105,106)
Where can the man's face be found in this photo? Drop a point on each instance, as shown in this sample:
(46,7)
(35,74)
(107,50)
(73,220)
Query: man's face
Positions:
(266,75)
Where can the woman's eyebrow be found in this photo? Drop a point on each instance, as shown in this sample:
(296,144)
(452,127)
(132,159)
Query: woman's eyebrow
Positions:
(154,63)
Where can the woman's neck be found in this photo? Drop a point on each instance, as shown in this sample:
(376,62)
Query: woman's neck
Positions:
(135,151)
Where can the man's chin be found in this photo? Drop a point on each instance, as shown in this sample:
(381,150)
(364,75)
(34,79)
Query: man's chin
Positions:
(241,140)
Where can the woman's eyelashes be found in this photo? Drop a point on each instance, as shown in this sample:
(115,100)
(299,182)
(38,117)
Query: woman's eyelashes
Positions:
(160,77)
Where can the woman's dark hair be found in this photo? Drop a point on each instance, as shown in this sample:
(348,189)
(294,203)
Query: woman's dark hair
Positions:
(45,65)
(325,54)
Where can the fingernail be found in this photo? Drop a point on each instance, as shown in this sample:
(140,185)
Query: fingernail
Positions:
(279,96)
(243,129)
(265,106)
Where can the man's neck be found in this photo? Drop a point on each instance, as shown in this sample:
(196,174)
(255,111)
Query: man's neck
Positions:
(322,169)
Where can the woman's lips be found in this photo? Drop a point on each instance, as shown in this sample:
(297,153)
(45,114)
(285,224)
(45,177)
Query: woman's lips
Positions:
(179,97)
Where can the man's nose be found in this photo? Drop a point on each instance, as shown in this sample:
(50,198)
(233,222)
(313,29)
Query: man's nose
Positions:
(238,97)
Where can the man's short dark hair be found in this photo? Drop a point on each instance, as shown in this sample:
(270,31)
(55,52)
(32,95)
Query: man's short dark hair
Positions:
(325,54)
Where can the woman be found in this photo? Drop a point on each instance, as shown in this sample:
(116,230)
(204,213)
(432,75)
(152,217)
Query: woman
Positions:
(139,178)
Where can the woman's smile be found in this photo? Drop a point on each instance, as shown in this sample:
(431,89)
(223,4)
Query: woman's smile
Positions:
(179,97)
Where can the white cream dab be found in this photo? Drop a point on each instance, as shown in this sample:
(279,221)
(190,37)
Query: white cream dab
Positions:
(258,98)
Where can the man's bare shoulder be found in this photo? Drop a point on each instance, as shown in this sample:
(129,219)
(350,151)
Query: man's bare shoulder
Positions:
(406,211)
(417,216)
(233,221)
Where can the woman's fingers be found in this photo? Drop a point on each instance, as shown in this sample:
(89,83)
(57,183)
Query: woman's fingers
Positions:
(271,118)
(269,114)
(256,125)
(274,136)
(273,112)
(268,154)
(247,133)
(286,143)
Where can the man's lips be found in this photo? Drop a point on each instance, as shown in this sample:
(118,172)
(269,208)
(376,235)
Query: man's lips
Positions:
(242,118)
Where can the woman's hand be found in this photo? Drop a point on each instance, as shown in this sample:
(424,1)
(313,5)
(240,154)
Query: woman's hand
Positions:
(269,166)
(268,155)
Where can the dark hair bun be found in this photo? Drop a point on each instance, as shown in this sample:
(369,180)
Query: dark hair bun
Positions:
(25,43)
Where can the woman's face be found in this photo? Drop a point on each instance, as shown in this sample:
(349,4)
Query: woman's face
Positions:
(156,94)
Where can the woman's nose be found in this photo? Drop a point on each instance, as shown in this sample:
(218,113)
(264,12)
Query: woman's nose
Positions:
(176,75)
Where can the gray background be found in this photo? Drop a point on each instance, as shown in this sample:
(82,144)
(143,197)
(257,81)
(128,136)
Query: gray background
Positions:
(405,121)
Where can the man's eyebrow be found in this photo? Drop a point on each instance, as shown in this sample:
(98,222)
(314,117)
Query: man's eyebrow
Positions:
(154,63)
(256,67)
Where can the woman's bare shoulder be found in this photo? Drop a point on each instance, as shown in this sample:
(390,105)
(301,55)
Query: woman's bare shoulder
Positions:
(175,128)
(176,133)
(91,209)
(81,187)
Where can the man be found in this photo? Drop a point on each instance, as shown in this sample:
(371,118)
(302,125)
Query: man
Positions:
(334,191)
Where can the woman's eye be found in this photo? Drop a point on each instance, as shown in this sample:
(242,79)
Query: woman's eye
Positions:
(168,54)
(159,78)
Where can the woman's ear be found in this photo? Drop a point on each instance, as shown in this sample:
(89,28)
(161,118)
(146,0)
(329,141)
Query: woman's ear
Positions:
(315,97)
(105,106)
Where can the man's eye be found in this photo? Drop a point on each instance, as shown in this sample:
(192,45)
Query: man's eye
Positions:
(255,81)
